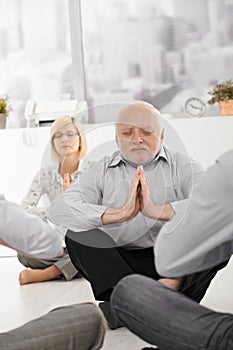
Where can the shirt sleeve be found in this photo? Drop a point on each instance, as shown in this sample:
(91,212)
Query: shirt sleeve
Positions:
(80,206)
(32,197)
(202,236)
(28,233)
(189,175)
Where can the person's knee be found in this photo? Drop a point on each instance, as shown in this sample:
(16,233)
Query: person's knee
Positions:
(84,316)
(93,321)
(124,290)
(27,261)
(95,314)
(89,311)
(130,288)
(93,238)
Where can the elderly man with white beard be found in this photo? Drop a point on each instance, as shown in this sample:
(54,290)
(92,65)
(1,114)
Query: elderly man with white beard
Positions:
(114,212)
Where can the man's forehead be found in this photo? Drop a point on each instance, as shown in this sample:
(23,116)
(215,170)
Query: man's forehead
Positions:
(137,116)
(141,125)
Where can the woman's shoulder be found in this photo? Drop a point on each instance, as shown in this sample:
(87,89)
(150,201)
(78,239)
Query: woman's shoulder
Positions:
(48,171)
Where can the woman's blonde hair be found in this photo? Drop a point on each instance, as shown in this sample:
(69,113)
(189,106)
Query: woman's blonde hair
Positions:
(58,124)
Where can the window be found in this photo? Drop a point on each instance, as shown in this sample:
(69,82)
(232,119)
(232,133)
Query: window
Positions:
(110,51)
(35,53)
(162,51)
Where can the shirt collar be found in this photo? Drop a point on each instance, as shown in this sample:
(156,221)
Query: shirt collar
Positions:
(162,154)
(117,157)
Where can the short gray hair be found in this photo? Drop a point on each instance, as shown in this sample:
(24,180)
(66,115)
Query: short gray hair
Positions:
(145,105)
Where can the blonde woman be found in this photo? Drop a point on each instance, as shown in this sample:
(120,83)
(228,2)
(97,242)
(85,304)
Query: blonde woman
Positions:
(68,149)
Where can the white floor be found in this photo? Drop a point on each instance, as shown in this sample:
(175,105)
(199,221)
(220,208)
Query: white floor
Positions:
(20,304)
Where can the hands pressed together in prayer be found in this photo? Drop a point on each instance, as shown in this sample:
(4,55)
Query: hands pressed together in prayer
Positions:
(66,182)
(138,200)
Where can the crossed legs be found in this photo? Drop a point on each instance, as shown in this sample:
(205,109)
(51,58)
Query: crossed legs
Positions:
(80,326)
(167,318)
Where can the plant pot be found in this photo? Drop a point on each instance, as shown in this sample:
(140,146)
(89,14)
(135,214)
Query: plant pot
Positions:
(2,121)
(226,107)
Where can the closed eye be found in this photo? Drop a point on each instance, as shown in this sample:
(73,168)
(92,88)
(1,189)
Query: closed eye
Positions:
(127,132)
(146,132)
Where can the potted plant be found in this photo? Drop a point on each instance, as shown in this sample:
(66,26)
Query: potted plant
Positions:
(5,108)
(223,94)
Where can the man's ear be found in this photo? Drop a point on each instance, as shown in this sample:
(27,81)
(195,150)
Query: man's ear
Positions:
(116,139)
(162,136)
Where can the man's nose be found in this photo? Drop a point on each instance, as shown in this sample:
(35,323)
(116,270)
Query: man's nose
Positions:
(137,136)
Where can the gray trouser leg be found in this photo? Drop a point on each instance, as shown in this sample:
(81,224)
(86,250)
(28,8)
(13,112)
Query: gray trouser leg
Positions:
(63,263)
(80,326)
(169,319)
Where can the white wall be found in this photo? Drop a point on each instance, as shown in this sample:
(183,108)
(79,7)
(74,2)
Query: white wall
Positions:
(204,139)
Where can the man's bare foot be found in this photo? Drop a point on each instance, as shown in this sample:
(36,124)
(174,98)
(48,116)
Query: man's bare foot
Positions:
(31,276)
(173,283)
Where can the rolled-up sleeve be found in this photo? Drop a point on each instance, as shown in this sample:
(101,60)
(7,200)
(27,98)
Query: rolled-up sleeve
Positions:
(27,232)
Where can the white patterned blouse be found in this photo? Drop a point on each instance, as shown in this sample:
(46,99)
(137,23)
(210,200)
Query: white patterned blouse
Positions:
(46,186)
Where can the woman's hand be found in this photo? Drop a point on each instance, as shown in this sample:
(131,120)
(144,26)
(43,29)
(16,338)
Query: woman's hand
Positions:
(66,182)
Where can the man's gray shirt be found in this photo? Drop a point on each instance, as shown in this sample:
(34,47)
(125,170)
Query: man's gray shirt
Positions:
(171,177)
(203,236)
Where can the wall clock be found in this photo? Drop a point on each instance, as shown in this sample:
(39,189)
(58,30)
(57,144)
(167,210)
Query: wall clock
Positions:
(194,107)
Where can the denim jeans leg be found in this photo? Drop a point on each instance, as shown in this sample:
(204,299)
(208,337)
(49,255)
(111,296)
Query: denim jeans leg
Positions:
(169,319)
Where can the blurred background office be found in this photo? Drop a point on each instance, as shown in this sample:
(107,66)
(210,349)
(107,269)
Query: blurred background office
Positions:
(104,51)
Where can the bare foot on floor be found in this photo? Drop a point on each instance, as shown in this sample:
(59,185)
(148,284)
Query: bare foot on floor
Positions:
(31,276)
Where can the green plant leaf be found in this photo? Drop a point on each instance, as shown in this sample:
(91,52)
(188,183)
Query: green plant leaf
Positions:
(221,92)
